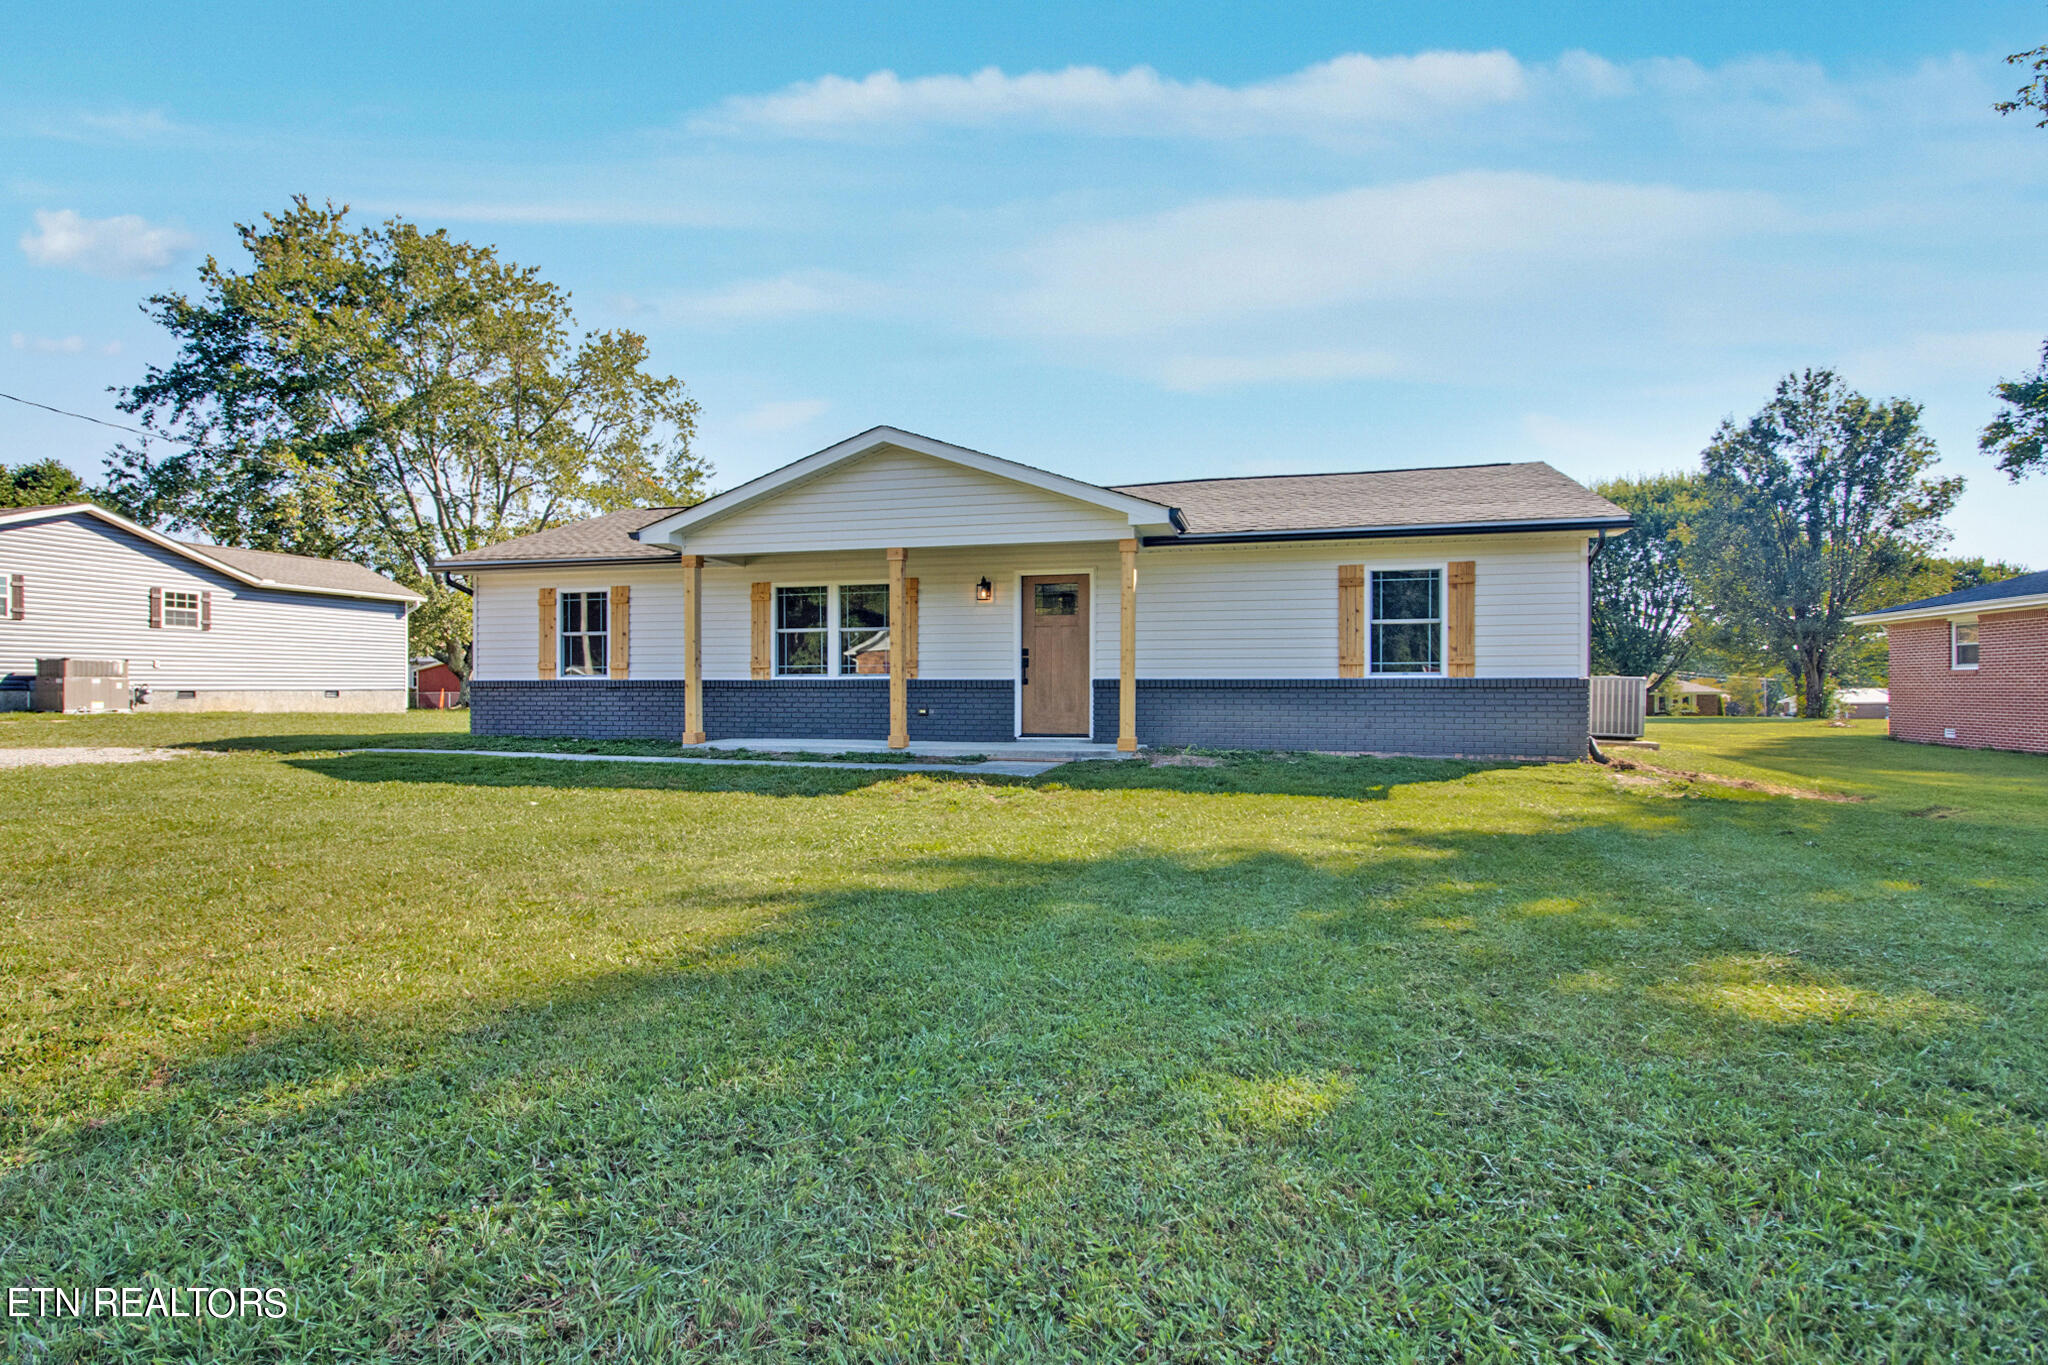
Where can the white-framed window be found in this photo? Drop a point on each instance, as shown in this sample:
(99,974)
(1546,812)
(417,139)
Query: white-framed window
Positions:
(1962,644)
(11,596)
(585,634)
(1405,628)
(181,609)
(823,630)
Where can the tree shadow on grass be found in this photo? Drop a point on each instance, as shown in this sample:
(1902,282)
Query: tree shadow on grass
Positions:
(1190,1098)
(1313,775)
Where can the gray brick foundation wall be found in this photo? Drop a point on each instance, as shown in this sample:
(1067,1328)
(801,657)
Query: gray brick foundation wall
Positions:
(1465,717)
(1461,717)
(969,710)
(559,708)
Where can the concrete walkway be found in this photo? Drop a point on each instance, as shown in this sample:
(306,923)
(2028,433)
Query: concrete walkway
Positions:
(997,768)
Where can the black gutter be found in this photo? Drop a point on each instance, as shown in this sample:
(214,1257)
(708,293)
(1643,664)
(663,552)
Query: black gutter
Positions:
(1457,528)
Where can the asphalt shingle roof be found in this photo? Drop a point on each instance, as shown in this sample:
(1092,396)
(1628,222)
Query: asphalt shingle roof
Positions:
(2026,585)
(1278,504)
(608,537)
(302,571)
(1379,498)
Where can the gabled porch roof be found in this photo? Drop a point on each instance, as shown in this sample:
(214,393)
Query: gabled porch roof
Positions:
(1143,515)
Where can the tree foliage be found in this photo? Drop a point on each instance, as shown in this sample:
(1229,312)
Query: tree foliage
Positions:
(1643,602)
(1817,508)
(2018,436)
(2034,94)
(41,484)
(392,395)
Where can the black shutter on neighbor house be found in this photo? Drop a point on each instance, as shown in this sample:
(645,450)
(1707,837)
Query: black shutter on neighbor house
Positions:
(156,608)
(206,611)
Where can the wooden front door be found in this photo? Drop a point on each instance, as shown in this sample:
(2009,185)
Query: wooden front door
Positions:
(1054,666)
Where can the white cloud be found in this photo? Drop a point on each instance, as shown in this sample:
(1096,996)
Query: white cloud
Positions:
(71,345)
(1477,235)
(122,246)
(1197,373)
(111,125)
(767,419)
(1350,92)
(780,296)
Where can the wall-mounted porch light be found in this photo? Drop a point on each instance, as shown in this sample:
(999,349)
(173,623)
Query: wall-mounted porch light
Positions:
(984,591)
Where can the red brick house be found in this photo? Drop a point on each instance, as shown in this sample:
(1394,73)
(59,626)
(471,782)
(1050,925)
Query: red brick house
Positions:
(1970,668)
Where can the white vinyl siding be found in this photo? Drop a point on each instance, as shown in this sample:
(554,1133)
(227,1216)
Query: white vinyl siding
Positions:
(1239,611)
(89,586)
(898,497)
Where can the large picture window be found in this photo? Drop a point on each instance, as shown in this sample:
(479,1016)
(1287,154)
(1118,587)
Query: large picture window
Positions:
(827,629)
(1406,633)
(586,634)
(1962,644)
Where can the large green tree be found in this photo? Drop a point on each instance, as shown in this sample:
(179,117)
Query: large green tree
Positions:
(2018,435)
(392,395)
(1643,602)
(1817,508)
(40,484)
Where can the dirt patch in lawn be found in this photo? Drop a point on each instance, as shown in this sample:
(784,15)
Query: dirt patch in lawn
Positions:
(56,758)
(1651,774)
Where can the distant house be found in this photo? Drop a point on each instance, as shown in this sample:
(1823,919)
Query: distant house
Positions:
(901,588)
(435,686)
(1689,697)
(1970,668)
(1863,703)
(198,627)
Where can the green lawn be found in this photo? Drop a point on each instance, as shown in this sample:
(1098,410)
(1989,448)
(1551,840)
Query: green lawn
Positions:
(1293,1060)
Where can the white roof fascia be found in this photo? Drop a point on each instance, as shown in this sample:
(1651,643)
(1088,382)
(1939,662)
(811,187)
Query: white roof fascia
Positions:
(1138,511)
(194,553)
(1953,611)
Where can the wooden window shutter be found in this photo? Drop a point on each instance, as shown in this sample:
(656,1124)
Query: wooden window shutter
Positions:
(910,627)
(762,598)
(206,611)
(622,633)
(1458,655)
(17,597)
(546,662)
(1351,620)
(156,608)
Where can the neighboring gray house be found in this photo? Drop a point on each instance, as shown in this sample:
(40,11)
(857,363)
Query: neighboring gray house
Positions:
(894,585)
(201,627)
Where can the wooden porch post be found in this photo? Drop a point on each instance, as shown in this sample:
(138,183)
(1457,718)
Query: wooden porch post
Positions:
(1127,662)
(899,678)
(693,649)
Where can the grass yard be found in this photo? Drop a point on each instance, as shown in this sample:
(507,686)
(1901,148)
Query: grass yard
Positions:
(490,1059)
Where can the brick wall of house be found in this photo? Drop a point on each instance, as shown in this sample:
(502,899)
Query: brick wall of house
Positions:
(2001,704)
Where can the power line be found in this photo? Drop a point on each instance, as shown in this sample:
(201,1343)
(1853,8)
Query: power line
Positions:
(96,421)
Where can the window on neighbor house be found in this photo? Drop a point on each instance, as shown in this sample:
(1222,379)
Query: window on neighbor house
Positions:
(824,630)
(1962,640)
(181,609)
(586,634)
(11,595)
(1406,633)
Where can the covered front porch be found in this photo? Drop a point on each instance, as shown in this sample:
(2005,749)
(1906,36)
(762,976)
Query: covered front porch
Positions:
(972,646)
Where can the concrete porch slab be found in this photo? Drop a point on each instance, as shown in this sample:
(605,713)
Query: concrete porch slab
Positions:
(1016,750)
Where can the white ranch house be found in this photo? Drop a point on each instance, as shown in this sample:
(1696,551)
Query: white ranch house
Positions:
(897,586)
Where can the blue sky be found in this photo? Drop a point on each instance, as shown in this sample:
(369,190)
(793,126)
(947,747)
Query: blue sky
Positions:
(1121,241)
